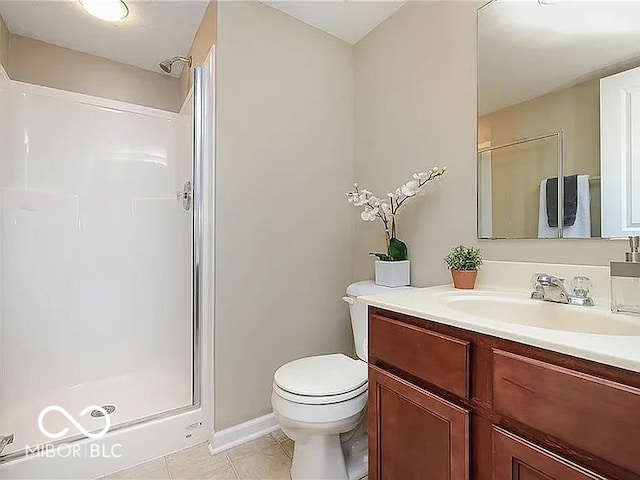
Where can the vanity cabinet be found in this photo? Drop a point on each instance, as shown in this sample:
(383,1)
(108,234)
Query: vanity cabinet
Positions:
(414,431)
(447,403)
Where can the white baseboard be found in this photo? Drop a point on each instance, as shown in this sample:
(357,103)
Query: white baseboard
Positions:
(242,433)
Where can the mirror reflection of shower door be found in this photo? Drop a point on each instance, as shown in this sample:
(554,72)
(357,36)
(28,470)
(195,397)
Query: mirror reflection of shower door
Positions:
(96,261)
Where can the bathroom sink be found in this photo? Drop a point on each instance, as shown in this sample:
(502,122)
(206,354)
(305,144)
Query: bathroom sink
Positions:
(540,314)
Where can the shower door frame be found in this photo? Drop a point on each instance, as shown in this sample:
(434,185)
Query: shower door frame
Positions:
(201,217)
(197,265)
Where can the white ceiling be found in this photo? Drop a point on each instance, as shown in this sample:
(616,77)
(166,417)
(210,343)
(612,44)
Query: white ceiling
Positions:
(528,49)
(152,32)
(349,20)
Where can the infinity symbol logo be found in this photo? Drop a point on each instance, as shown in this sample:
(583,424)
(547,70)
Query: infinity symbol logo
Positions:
(75,423)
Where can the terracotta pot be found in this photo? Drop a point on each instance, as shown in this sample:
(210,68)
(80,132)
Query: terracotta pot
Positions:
(464,279)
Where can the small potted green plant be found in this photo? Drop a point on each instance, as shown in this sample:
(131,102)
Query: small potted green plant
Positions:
(464,263)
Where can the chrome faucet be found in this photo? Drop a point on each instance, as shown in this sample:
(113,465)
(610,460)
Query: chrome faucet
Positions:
(551,289)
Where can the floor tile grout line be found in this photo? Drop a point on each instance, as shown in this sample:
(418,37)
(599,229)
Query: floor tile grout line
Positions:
(282,446)
(276,439)
(233,467)
(166,464)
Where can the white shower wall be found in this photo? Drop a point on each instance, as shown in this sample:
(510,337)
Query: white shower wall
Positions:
(95,263)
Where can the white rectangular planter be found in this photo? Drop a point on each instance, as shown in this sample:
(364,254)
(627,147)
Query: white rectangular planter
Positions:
(393,274)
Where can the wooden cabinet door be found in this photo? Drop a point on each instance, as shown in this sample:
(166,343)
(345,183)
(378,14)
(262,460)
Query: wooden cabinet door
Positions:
(414,434)
(517,459)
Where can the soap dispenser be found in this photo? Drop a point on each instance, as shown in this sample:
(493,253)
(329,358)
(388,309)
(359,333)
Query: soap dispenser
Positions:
(625,281)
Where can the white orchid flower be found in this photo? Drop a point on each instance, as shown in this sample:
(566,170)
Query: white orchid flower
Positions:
(369,214)
(386,209)
(410,188)
(361,200)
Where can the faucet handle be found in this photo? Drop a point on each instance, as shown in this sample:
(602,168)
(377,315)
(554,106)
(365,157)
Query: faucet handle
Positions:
(533,282)
(536,287)
(545,278)
(581,286)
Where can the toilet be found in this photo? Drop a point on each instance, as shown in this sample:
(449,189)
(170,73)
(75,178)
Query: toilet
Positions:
(320,403)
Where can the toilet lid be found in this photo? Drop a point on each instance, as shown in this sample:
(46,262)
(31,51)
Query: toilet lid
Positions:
(322,375)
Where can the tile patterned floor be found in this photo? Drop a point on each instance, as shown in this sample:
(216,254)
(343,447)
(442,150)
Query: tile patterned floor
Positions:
(267,458)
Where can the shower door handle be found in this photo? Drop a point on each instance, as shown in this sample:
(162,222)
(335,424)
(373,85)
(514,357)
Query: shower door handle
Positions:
(186,195)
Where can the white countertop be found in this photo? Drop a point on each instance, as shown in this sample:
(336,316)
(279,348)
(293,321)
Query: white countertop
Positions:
(427,303)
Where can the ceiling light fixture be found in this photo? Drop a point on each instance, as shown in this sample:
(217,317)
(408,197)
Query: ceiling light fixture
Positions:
(107,10)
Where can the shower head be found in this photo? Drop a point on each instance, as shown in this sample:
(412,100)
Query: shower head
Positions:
(167,64)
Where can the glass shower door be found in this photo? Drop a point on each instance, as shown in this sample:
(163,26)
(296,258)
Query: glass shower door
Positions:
(95,263)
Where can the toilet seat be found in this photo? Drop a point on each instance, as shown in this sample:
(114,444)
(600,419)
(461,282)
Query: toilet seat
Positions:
(321,380)
(316,399)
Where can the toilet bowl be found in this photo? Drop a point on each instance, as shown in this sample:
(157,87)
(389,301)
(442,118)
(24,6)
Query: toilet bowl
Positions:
(320,403)
(315,401)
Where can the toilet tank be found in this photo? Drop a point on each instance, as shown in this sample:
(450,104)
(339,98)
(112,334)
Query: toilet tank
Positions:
(359,312)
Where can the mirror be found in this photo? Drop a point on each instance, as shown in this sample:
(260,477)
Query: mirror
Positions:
(558,95)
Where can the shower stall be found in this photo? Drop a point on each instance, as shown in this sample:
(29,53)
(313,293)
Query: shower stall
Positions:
(105,269)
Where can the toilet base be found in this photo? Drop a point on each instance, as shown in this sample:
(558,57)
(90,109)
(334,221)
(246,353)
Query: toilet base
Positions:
(355,448)
(331,457)
(330,439)
(307,464)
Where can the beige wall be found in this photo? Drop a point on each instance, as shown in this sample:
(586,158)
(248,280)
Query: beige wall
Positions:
(569,251)
(415,108)
(284,161)
(4,44)
(204,39)
(41,63)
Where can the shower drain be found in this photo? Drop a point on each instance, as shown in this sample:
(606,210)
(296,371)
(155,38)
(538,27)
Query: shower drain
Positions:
(107,408)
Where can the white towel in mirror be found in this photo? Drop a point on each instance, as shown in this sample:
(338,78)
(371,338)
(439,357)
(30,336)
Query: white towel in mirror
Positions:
(582,226)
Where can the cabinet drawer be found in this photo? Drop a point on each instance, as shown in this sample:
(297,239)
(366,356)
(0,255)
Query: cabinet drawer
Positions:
(438,359)
(516,459)
(595,415)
